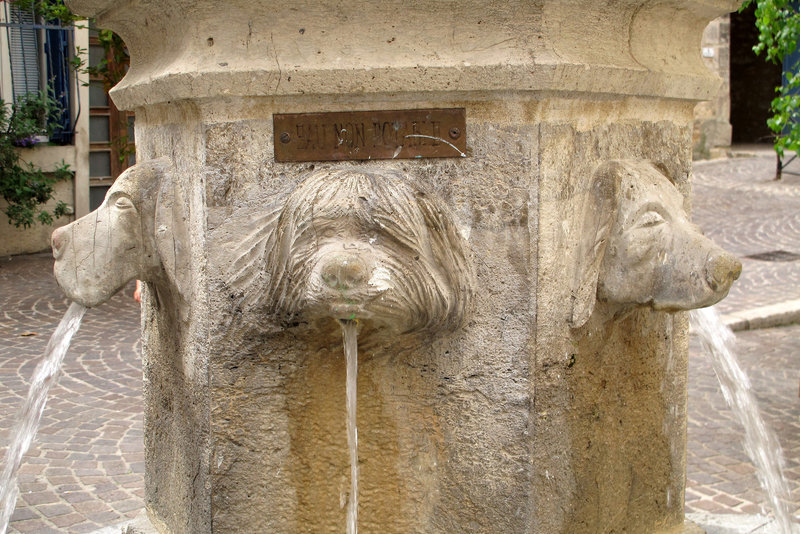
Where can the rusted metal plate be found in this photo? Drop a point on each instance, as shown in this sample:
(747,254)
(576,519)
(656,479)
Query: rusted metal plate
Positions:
(361,135)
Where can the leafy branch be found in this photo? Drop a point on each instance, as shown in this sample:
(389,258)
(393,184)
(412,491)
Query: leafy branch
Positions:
(25,187)
(50,10)
(778,24)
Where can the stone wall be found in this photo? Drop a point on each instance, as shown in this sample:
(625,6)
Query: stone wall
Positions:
(515,420)
(711,136)
(15,240)
(74,193)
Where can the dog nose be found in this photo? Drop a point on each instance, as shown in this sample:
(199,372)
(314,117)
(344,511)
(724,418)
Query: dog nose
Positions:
(58,240)
(343,271)
(721,270)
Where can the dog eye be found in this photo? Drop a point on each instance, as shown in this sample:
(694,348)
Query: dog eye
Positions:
(650,219)
(123,203)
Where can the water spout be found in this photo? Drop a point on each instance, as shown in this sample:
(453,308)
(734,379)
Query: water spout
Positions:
(760,442)
(44,377)
(350,335)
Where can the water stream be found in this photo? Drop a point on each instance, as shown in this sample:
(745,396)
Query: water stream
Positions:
(44,376)
(760,442)
(350,334)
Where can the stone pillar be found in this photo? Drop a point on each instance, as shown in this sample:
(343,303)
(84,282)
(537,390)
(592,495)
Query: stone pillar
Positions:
(553,407)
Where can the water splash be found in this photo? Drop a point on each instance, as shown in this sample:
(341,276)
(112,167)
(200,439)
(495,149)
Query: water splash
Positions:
(760,442)
(45,376)
(350,335)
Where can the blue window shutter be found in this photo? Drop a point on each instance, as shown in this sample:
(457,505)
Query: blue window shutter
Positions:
(40,61)
(23,44)
(57,49)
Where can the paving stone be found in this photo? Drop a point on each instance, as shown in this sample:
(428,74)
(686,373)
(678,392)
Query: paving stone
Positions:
(23,513)
(727,500)
(52,510)
(709,506)
(128,505)
(104,518)
(84,527)
(32,525)
(67,520)
(90,507)
(771,358)
(739,205)
(77,496)
(102,368)
(40,497)
(113,496)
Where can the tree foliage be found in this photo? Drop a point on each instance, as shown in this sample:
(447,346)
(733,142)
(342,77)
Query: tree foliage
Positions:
(778,24)
(25,187)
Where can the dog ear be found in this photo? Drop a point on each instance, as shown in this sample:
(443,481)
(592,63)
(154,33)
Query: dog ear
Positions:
(250,251)
(599,212)
(661,167)
(449,249)
(172,234)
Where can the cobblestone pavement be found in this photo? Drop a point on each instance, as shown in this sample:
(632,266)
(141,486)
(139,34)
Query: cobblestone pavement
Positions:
(85,469)
(720,477)
(740,206)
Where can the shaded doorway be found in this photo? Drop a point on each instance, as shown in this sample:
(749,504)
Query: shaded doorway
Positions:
(753,82)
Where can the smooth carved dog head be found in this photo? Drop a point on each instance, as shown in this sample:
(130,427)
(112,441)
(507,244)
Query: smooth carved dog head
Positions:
(639,247)
(358,244)
(99,253)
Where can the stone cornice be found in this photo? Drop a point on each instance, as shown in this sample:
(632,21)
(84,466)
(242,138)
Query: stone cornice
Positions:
(266,48)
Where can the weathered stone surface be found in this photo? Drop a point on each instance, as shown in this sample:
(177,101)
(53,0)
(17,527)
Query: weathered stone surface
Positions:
(185,50)
(429,423)
(522,420)
(712,125)
(135,234)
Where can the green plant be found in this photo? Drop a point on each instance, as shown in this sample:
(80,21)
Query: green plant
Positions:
(49,10)
(113,70)
(25,187)
(123,147)
(778,23)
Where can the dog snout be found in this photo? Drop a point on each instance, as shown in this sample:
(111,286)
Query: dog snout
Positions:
(721,270)
(344,271)
(58,242)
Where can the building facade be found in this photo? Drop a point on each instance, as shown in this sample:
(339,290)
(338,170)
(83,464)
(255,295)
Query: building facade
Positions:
(738,114)
(35,56)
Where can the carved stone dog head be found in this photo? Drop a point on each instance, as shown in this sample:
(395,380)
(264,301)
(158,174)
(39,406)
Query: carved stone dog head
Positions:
(99,253)
(359,244)
(640,249)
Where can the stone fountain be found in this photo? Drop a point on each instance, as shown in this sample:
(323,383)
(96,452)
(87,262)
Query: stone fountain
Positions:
(495,192)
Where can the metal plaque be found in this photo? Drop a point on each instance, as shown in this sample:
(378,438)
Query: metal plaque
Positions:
(360,135)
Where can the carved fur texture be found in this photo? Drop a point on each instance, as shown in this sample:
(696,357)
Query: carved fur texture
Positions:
(351,243)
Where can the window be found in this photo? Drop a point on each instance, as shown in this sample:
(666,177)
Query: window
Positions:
(39,57)
(111,131)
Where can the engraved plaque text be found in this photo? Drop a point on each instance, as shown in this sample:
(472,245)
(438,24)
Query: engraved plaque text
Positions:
(362,135)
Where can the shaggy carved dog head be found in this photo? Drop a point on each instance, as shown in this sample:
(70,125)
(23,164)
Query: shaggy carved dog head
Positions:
(367,245)
(131,235)
(640,249)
